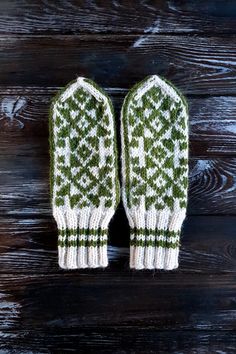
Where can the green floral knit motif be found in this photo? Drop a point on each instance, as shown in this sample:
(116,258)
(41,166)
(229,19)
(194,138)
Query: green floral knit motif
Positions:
(84,163)
(156,143)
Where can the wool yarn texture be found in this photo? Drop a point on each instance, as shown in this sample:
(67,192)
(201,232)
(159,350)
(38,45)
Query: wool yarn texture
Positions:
(84,182)
(154,134)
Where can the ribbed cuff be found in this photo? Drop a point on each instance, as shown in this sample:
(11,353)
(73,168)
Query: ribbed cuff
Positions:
(83,235)
(82,248)
(155,239)
(154,249)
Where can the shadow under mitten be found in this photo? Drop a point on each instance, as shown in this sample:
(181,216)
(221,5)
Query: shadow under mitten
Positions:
(154,130)
(84,183)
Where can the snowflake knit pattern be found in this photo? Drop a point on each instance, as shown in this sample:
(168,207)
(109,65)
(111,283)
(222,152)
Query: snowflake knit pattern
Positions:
(84,182)
(154,134)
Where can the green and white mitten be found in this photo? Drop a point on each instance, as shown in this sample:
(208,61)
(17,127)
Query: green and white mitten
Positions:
(84,182)
(154,132)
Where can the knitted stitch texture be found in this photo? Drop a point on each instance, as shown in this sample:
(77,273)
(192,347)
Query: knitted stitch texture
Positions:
(84,183)
(154,133)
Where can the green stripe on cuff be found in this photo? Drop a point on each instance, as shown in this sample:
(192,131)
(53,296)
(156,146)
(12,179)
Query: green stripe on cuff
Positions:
(81,243)
(156,232)
(64,235)
(79,231)
(155,243)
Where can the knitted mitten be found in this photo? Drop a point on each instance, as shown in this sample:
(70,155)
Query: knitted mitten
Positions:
(154,171)
(84,182)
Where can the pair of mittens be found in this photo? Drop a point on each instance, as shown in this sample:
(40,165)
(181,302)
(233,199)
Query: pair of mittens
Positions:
(84,173)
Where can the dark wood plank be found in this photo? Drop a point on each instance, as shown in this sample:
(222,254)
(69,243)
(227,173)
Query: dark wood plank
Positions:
(29,245)
(196,65)
(212,123)
(212,120)
(25,191)
(72,300)
(118,340)
(43,308)
(212,188)
(70,16)
(24,143)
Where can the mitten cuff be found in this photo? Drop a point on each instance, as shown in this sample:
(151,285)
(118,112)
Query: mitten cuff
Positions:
(155,239)
(82,239)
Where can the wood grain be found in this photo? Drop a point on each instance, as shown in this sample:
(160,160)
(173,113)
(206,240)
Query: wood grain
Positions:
(198,302)
(44,45)
(212,125)
(144,17)
(212,187)
(118,339)
(212,120)
(25,191)
(196,65)
(29,246)
(24,142)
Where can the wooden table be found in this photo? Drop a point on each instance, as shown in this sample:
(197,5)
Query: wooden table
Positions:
(44,45)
